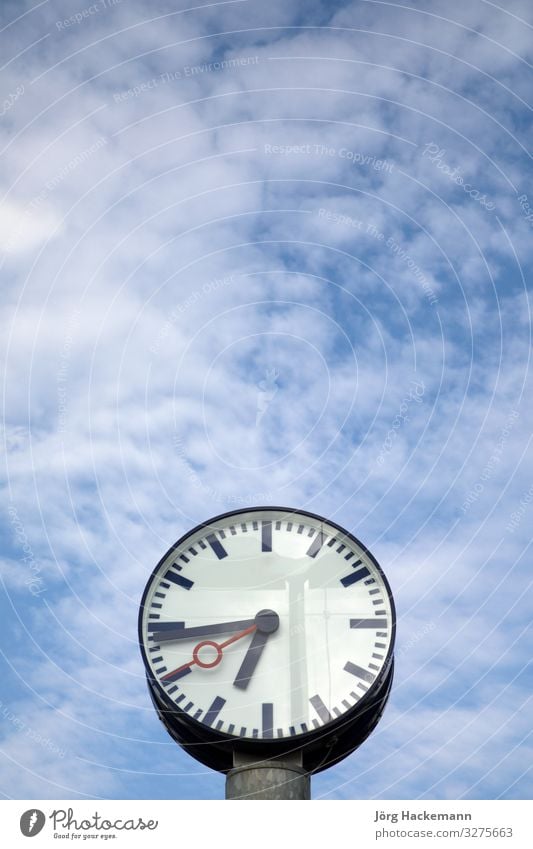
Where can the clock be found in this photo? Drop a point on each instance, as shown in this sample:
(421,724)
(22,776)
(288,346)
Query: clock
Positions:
(266,631)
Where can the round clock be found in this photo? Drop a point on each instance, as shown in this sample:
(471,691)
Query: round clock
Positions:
(267,631)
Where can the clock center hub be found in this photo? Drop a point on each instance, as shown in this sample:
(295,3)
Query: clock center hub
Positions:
(267,621)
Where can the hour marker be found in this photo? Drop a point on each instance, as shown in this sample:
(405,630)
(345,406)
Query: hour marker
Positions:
(300,529)
(255,525)
(233,530)
(184,558)
(267,721)
(161,670)
(340,548)
(373,624)
(355,576)
(214,710)
(193,551)
(244,529)
(349,555)
(320,708)
(266,535)
(181,673)
(202,544)
(179,580)
(217,546)
(364,674)
(165,626)
(317,544)
(289,526)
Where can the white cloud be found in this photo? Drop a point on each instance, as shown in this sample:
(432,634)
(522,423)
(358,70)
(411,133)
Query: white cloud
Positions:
(25,226)
(171,260)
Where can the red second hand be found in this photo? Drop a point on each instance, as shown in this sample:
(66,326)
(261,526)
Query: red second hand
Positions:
(218,646)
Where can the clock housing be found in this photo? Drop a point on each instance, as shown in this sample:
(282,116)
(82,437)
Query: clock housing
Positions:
(315,681)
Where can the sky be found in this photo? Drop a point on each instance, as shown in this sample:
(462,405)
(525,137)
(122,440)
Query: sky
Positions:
(265,253)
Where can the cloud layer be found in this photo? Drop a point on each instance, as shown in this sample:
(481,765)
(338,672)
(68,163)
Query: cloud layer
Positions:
(266,254)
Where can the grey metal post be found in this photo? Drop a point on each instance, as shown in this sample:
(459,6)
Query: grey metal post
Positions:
(280,778)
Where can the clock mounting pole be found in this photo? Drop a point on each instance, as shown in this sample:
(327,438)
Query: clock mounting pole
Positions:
(279,778)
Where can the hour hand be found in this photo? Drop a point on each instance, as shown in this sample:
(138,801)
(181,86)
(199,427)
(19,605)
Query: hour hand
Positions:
(180,633)
(251,659)
(267,622)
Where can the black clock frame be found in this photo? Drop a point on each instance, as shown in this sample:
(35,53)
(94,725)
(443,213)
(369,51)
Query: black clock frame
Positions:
(321,747)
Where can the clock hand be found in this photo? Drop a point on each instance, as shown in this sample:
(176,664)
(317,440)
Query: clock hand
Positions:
(267,622)
(178,633)
(196,660)
(251,659)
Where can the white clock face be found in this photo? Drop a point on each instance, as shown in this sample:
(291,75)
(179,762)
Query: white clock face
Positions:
(267,623)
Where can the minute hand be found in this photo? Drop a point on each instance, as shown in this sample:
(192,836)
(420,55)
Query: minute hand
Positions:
(201,630)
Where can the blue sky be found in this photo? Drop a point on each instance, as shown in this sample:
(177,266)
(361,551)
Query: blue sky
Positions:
(266,253)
